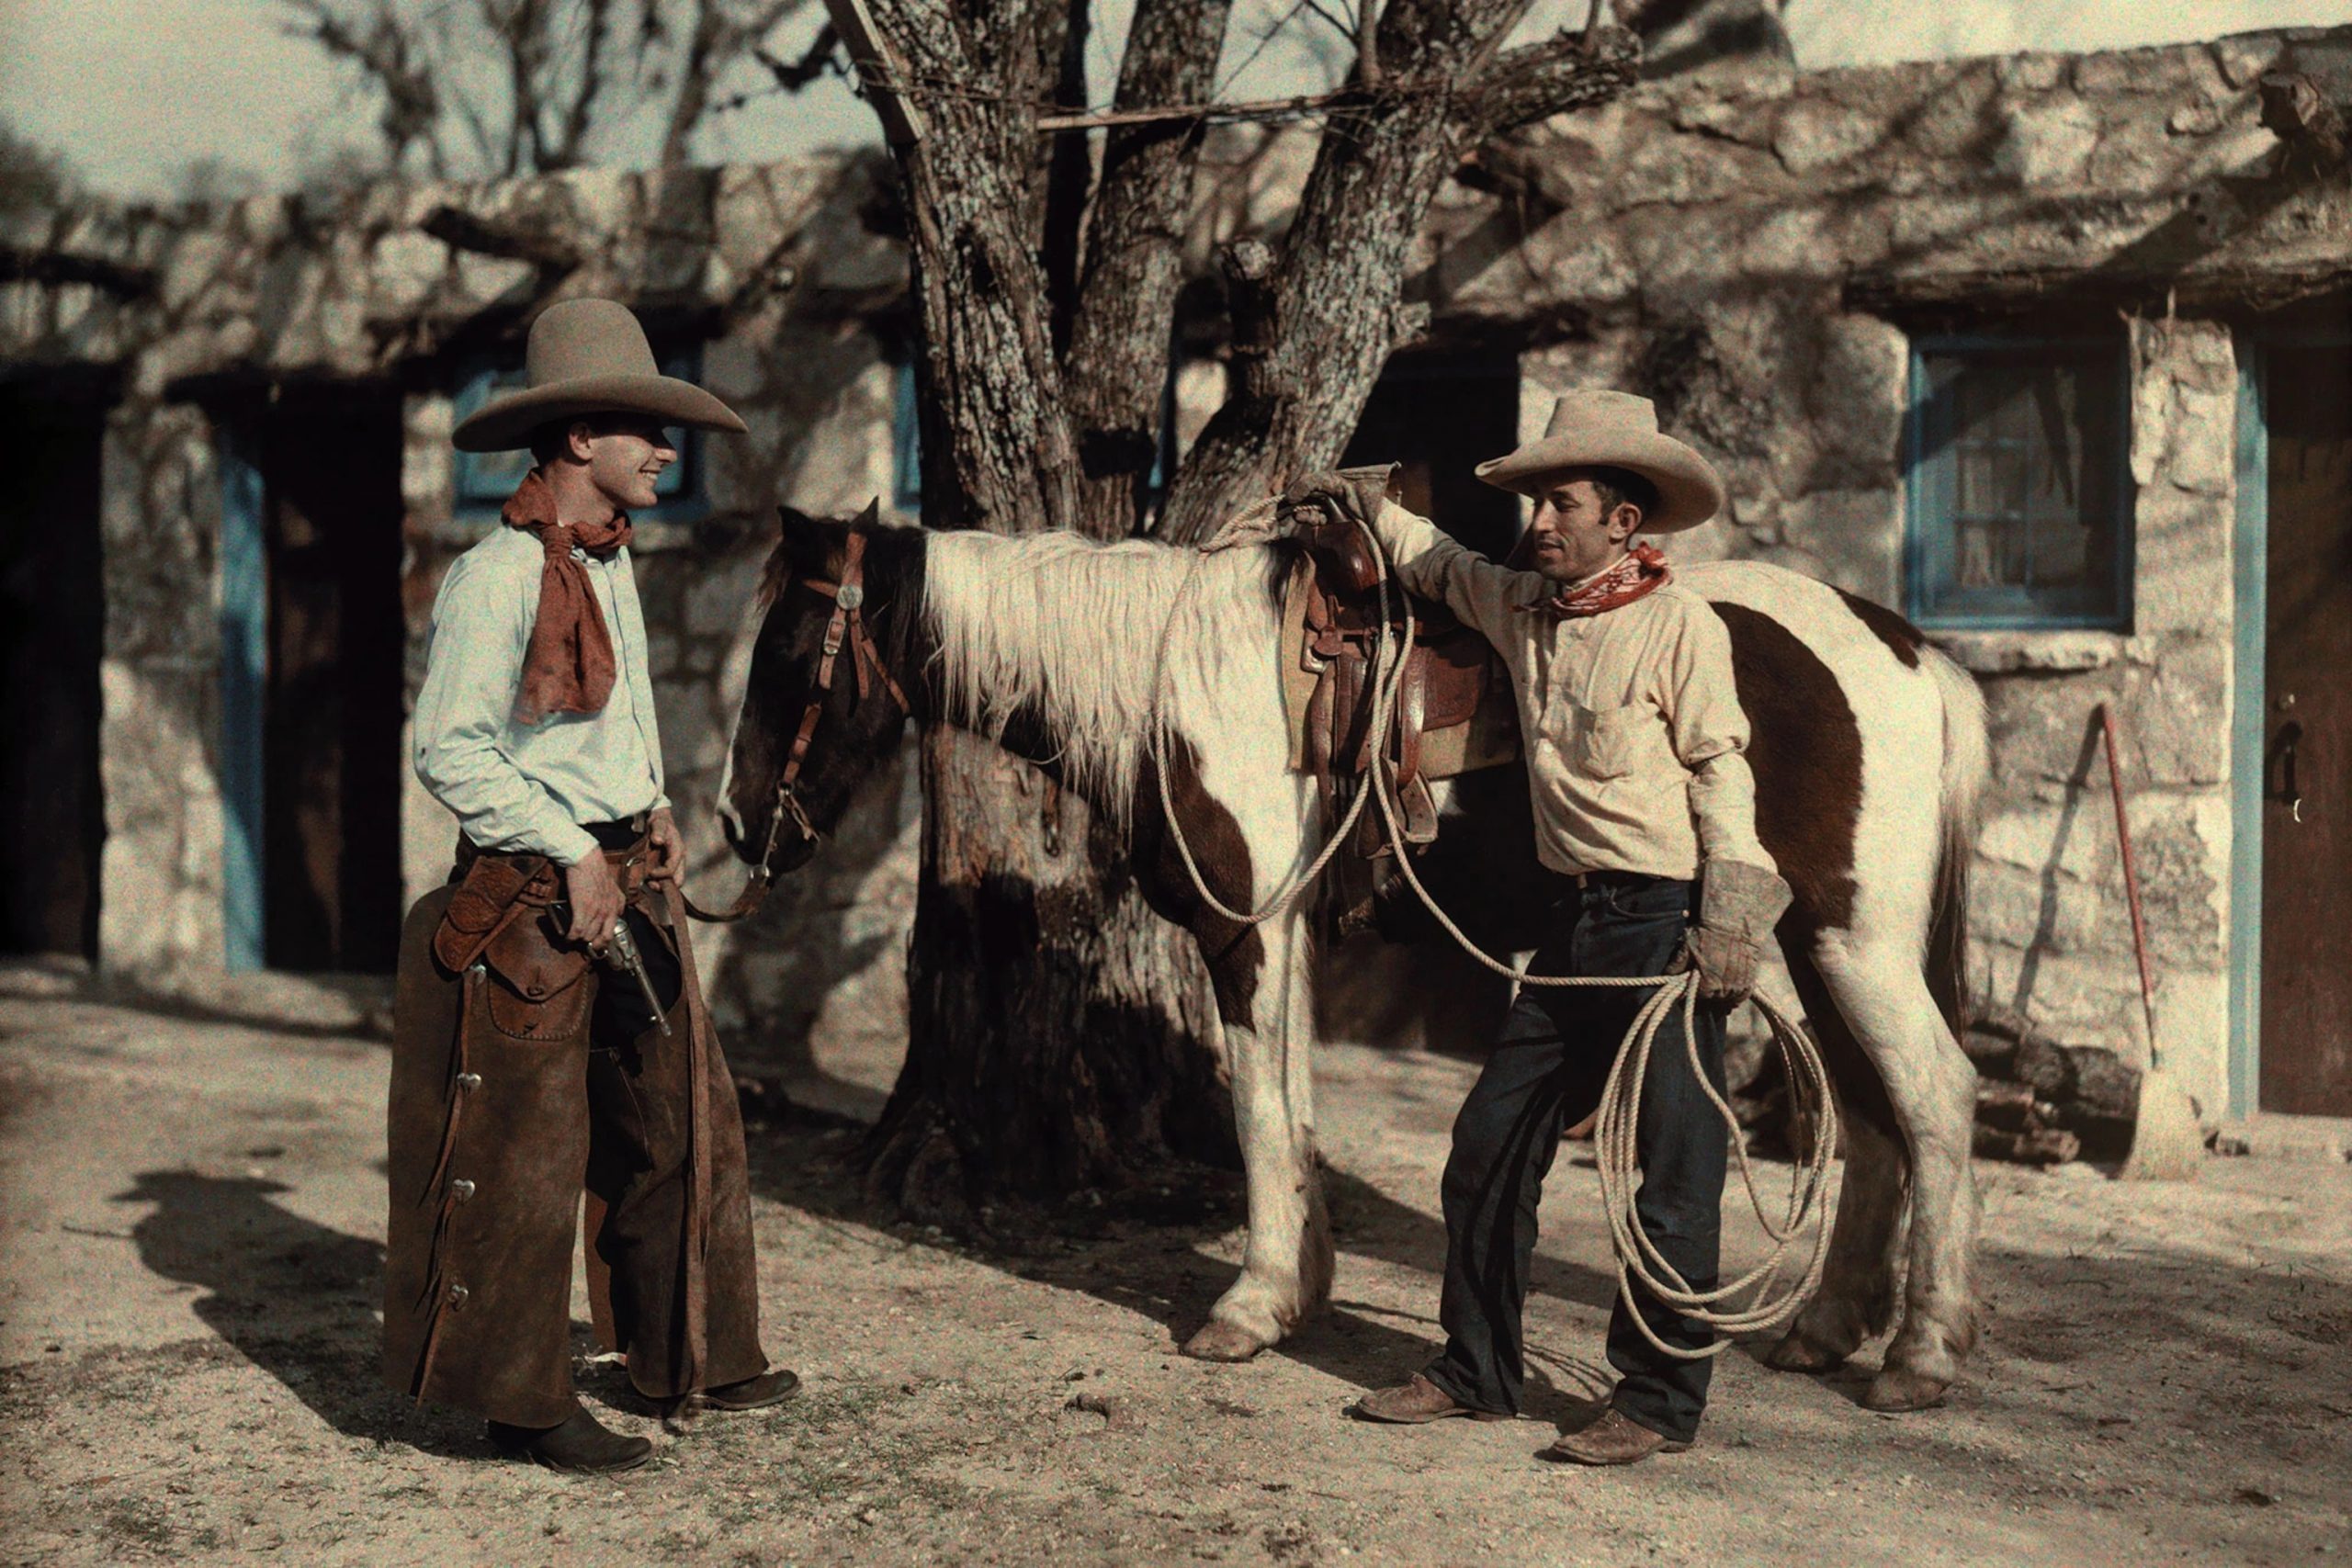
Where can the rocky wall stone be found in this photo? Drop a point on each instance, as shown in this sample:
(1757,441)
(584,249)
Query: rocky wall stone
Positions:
(159,879)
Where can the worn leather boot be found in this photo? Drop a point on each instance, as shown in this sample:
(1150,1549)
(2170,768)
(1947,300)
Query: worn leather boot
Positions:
(771,1387)
(580,1444)
(1420,1400)
(1615,1438)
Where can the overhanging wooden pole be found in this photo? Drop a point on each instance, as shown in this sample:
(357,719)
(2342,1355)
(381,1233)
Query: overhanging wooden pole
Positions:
(877,67)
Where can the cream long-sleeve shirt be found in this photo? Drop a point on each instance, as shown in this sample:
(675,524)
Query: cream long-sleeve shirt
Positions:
(1633,730)
(527,787)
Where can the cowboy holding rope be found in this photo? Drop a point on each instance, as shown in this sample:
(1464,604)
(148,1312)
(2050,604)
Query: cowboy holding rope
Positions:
(1644,808)
(520,1071)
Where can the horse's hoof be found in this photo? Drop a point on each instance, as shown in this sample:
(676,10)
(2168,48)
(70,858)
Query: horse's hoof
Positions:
(1795,1353)
(1901,1388)
(1222,1341)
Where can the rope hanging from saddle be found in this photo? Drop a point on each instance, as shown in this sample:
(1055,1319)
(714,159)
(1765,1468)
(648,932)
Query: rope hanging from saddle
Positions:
(1616,1152)
(847,628)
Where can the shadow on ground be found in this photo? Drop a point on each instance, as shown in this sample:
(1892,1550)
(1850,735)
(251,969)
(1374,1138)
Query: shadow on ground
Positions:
(296,1298)
(2282,1335)
(1149,1253)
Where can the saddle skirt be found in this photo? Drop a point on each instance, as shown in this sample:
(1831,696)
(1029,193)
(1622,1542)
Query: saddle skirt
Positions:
(1454,710)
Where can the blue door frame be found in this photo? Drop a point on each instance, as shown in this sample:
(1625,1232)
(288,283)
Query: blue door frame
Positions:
(2250,618)
(244,655)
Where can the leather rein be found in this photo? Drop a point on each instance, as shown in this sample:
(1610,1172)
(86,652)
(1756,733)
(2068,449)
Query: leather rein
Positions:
(847,628)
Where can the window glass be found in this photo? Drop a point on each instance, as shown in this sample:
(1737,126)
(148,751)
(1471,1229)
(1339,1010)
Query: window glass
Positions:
(2019,501)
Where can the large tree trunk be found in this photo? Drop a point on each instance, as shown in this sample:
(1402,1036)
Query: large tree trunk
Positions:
(1059,1035)
(1054,1024)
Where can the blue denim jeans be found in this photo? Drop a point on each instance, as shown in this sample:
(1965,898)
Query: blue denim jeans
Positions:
(1547,1073)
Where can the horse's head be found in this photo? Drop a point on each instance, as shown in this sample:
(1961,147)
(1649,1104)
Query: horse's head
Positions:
(832,681)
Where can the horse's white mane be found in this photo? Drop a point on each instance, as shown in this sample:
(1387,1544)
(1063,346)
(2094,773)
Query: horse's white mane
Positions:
(1071,629)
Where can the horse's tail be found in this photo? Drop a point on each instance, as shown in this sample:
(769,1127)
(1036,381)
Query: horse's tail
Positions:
(1967,765)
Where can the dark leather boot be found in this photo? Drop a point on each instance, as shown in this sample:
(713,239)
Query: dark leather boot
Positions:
(1614,1438)
(771,1387)
(579,1444)
(1418,1400)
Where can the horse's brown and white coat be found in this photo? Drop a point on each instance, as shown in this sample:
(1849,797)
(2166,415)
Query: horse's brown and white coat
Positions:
(1869,755)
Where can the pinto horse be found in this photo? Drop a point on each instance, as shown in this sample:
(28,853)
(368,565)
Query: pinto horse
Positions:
(1868,755)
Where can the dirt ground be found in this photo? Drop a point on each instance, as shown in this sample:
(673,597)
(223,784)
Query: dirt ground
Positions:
(190,1225)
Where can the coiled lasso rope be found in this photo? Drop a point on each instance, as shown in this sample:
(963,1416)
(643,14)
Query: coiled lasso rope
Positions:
(1616,1128)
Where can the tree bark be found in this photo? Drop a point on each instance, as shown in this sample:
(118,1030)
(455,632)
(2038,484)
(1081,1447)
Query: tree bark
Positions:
(1049,1051)
(1134,266)
(1058,1031)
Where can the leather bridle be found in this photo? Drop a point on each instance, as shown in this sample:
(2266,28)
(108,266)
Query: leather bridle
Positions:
(847,628)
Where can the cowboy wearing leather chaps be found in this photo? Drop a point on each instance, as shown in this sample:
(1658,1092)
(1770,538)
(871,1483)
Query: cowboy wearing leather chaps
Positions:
(524,1070)
(522,1073)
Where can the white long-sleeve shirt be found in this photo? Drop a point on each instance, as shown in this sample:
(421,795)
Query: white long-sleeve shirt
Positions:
(1635,735)
(526,787)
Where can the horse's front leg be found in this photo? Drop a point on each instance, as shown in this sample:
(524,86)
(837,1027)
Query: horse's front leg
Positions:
(1263,1003)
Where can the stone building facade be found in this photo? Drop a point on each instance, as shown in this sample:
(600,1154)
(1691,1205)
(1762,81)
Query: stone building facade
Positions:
(1787,261)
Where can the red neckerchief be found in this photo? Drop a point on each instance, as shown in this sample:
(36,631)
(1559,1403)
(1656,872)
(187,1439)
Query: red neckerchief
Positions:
(569,666)
(1642,571)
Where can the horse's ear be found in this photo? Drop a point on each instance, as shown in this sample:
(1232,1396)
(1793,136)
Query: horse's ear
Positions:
(871,516)
(812,545)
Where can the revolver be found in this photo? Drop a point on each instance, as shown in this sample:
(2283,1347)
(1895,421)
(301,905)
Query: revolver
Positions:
(620,953)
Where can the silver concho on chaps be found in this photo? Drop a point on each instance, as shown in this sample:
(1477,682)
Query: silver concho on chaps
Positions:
(502,1112)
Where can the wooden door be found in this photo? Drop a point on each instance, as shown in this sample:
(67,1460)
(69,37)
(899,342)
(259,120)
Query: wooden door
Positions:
(331,705)
(52,620)
(2307,789)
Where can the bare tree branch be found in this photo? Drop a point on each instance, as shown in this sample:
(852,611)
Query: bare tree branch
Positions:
(793,74)
(568,70)
(1343,261)
(1565,72)
(1302,106)
(719,37)
(386,54)
(1135,263)
(517,42)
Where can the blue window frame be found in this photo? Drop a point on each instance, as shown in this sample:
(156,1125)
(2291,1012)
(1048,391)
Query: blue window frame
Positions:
(2017,452)
(906,443)
(484,479)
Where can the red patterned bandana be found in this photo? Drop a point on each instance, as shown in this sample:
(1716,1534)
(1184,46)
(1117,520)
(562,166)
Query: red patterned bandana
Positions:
(569,665)
(1642,570)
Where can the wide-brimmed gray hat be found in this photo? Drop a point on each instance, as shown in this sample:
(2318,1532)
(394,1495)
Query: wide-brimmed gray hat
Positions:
(1591,428)
(589,357)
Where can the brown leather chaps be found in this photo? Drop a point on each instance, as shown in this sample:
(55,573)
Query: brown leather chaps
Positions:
(512,1092)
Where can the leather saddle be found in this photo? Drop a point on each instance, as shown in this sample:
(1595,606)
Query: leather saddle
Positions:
(1454,710)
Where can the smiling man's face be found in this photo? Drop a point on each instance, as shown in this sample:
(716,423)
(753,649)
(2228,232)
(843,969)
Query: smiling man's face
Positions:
(625,455)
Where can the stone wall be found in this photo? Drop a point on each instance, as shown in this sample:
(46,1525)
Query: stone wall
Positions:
(1753,247)
(160,909)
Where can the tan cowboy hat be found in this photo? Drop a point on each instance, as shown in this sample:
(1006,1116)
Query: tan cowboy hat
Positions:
(1591,428)
(589,357)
